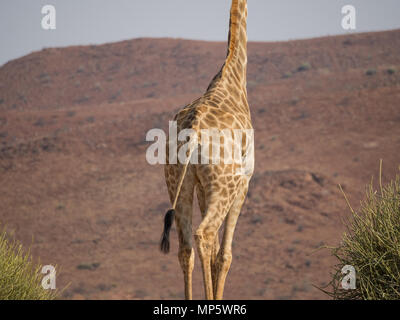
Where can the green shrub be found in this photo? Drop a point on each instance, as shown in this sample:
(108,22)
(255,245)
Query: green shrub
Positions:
(304,67)
(391,70)
(20,277)
(40,122)
(287,75)
(81,69)
(372,246)
(370,72)
(88,266)
(90,119)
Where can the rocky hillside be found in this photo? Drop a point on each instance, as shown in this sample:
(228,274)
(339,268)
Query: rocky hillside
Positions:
(75,184)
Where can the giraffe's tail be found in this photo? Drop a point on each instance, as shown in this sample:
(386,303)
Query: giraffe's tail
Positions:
(168,220)
(169,216)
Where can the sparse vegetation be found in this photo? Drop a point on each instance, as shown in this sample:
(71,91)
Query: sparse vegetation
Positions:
(115,95)
(43,75)
(20,277)
(40,122)
(370,72)
(372,246)
(305,66)
(106,287)
(88,266)
(390,70)
(149,85)
(3,134)
(81,69)
(347,42)
(83,99)
(66,191)
(44,78)
(294,101)
(3,121)
(97,86)
(256,220)
(287,75)
(90,119)
(60,206)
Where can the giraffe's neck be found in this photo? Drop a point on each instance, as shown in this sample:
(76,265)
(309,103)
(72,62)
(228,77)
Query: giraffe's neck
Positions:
(235,66)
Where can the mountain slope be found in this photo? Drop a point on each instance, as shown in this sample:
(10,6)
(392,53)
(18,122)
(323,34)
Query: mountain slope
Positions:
(75,179)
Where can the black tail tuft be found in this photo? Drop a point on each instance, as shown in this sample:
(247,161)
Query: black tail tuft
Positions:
(168,220)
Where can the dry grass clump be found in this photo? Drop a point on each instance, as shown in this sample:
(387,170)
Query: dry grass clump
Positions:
(20,277)
(372,246)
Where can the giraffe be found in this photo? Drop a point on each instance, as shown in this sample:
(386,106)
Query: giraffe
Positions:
(220,191)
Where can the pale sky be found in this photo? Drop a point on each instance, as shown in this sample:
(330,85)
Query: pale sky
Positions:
(101,21)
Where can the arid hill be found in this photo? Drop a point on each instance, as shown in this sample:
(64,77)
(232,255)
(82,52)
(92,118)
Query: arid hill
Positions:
(76,187)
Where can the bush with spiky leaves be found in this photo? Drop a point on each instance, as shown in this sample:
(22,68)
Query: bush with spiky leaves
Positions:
(20,277)
(372,246)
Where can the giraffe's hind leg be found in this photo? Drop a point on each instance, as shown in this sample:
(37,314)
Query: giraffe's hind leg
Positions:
(214,252)
(216,209)
(183,220)
(224,258)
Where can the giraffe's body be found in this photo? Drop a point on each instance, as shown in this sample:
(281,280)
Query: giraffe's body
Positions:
(220,191)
